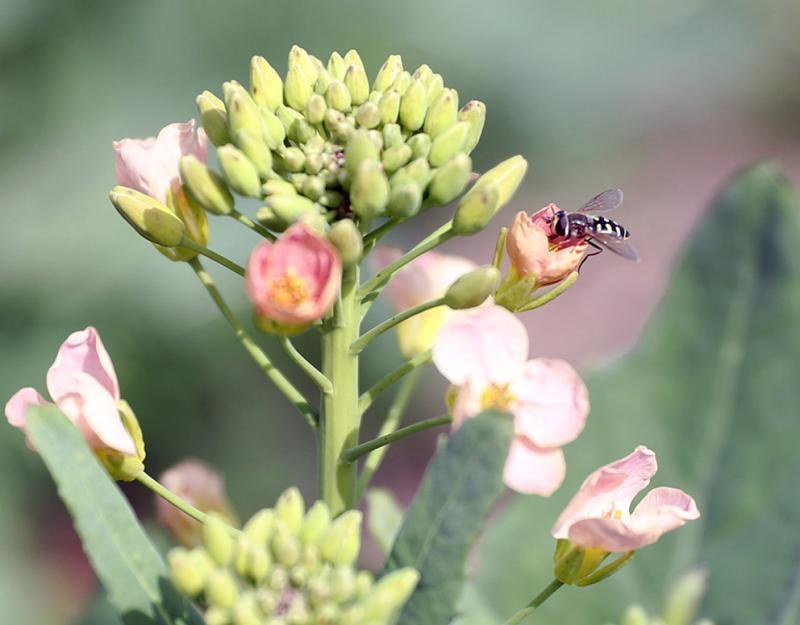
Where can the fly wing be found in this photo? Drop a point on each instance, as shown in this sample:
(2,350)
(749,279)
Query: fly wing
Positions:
(605,201)
(617,245)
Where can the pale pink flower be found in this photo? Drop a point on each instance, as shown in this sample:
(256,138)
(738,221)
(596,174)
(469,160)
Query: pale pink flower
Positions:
(425,278)
(484,354)
(83,384)
(200,485)
(599,514)
(151,165)
(294,281)
(535,250)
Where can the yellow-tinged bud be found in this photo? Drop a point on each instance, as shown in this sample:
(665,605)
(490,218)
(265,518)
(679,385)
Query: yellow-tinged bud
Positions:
(188,578)
(423,73)
(507,176)
(298,57)
(389,593)
(341,542)
(273,129)
(338,96)
(434,86)
(360,148)
(369,190)
(367,115)
(217,540)
(635,615)
(288,116)
(213,117)
(323,80)
(337,66)
(259,563)
(394,158)
(364,583)
(285,546)
(442,114)
(246,611)
(357,83)
(331,199)
(402,82)
(405,200)
(389,106)
(301,131)
(388,73)
(450,180)
(347,239)
(293,159)
(352,57)
(278,186)
(291,208)
(420,145)
(193,217)
(266,84)
(316,108)
(417,171)
(474,113)
(240,173)
(290,509)
(260,526)
(413,106)
(476,209)
(124,467)
(243,112)
(342,583)
(298,88)
(313,187)
(377,139)
(149,217)
(392,135)
(257,152)
(205,186)
(216,616)
(221,589)
(473,288)
(449,143)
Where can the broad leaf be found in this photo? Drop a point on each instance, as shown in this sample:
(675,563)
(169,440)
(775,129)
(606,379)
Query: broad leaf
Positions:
(713,388)
(461,485)
(130,568)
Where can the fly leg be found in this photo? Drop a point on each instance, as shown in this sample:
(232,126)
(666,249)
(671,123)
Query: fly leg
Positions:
(597,249)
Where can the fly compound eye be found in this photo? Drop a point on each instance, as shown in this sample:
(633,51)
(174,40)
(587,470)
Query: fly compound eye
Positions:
(561,224)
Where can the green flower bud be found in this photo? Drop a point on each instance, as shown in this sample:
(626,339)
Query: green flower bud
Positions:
(216,616)
(267,600)
(405,200)
(314,163)
(298,88)
(635,615)
(288,116)
(290,509)
(357,83)
(301,59)
(301,131)
(472,289)
(423,73)
(121,466)
(273,129)
(360,148)
(260,527)
(298,575)
(217,540)
(331,199)
(278,578)
(474,113)
(241,555)
(298,180)
(298,614)
(369,191)
(435,86)
(337,66)
(389,594)
(278,186)
(246,611)
(205,186)
(313,187)
(327,613)
(392,135)
(347,239)
(259,563)
(476,209)
(507,176)
(187,577)
(364,583)
(266,85)
(257,152)
(389,106)
(367,115)
(240,173)
(341,542)
(388,73)
(149,217)
(342,583)
(213,117)
(319,589)
(377,138)
(417,171)
(285,546)
(338,96)
(413,106)
(394,158)
(267,217)
(449,143)
(450,180)
(315,109)
(310,559)
(221,589)
(420,145)
(293,159)
(352,57)
(323,80)
(291,208)
(276,620)
(243,113)
(442,114)
(402,82)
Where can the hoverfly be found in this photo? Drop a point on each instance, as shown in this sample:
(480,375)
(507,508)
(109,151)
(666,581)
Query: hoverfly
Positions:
(599,232)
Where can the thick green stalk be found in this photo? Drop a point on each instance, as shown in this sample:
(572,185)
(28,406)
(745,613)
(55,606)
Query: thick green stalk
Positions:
(341,418)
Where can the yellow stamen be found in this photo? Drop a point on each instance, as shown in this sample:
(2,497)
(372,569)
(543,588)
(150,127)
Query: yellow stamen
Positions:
(289,290)
(497,396)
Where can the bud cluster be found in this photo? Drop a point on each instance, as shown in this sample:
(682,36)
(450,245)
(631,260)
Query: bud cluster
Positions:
(288,567)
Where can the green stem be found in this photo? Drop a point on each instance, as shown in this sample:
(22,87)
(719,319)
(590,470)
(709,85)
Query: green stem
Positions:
(371,238)
(254,226)
(551,294)
(543,596)
(315,374)
(217,258)
(499,248)
(382,327)
(354,453)
(365,401)
(340,414)
(274,374)
(390,424)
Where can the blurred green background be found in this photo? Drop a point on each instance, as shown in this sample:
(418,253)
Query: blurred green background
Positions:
(664,99)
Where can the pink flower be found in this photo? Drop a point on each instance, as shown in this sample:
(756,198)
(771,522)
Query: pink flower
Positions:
(83,384)
(295,280)
(599,515)
(484,354)
(534,249)
(423,279)
(200,485)
(151,165)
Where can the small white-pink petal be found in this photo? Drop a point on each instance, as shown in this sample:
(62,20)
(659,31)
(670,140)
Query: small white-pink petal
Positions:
(664,509)
(82,352)
(17,407)
(532,470)
(609,534)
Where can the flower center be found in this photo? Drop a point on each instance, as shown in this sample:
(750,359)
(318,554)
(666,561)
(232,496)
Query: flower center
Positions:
(496,396)
(289,290)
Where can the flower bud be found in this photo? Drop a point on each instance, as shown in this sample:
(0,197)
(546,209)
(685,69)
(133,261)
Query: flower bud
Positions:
(257,152)
(288,116)
(405,200)
(392,136)
(290,509)
(423,73)
(149,217)
(298,88)
(285,546)
(360,148)
(301,59)
(289,209)
(313,187)
(216,616)
(347,239)
(301,131)
(417,171)
(450,179)
(389,593)
(435,87)
(120,466)
(369,191)
(420,145)
(316,109)
(402,82)
(475,210)
(473,288)
(217,540)
(357,83)
(336,66)
(331,199)
(388,73)
(394,158)
(243,112)
(266,85)
(413,106)
(474,113)
(267,217)
(507,176)
(189,578)
(352,57)
(260,527)
(449,143)
(240,173)
(272,128)
(246,611)
(221,589)
(205,186)
(278,186)
(213,117)
(338,96)
(195,219)
(635,615)
(342,541)
(442,114)
(323,80)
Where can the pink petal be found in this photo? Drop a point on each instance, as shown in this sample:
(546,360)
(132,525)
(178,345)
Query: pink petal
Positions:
(484,345)
(664,509)
(467,403)
(82,352)
(609,535)
(551,402)
(609,489)
(533,470)
(17,407)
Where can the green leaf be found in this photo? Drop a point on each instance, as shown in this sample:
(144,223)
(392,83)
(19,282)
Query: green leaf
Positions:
(714,389)
(460,487)
(125,561)
(384,518)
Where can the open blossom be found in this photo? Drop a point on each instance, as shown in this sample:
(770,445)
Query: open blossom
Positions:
(599,515)
(484,354)
(294,281)
(83,384)
(425,278)
(535,250)
(151,165)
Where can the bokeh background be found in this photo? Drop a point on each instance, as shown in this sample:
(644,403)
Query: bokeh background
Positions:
(664,99)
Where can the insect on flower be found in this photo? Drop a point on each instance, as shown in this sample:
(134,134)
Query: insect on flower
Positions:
(599,232)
